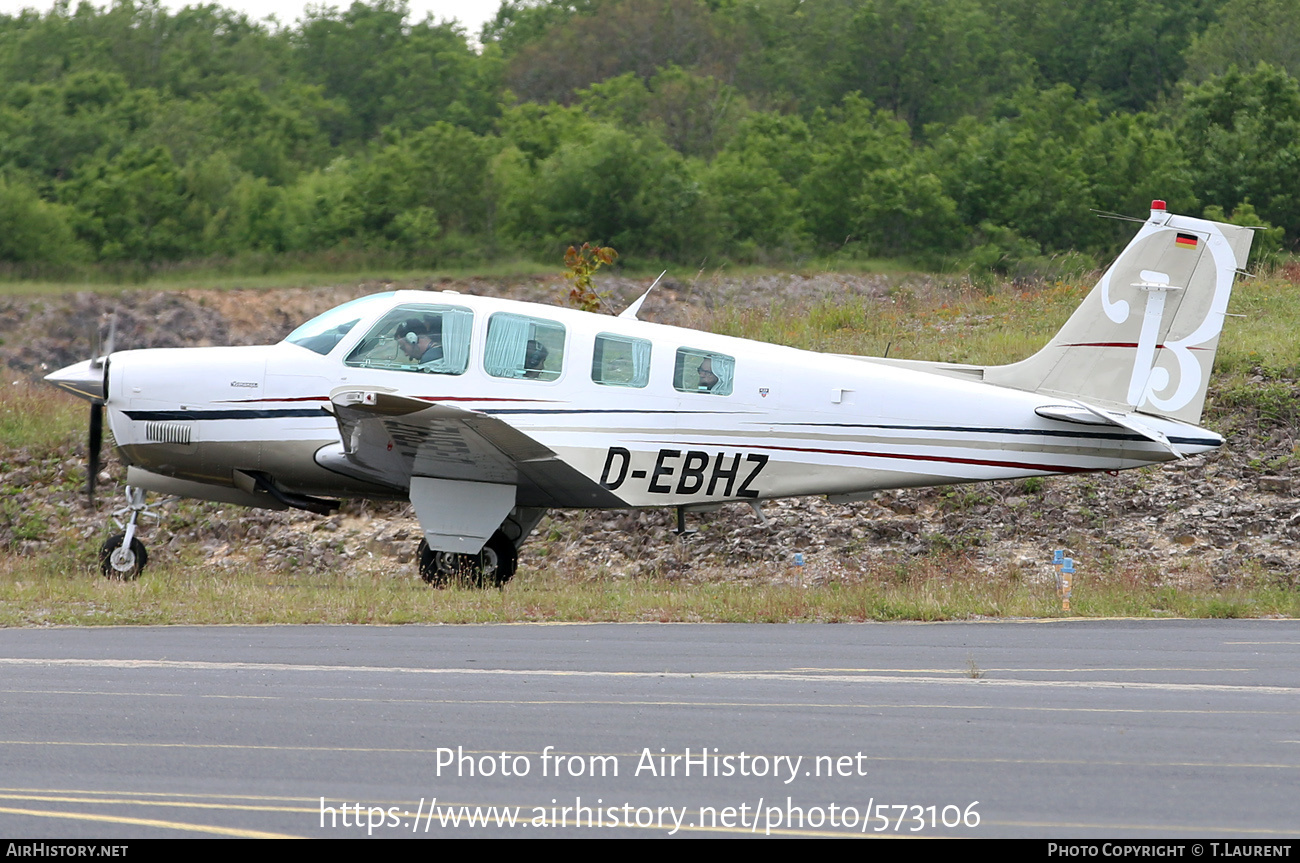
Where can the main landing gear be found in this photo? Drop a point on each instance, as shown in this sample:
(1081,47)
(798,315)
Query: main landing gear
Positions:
(491,567)
(122,556)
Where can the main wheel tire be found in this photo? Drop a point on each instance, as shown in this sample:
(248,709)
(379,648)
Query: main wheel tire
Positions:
(507,560)
(440,568)
(491,567)
(123,564)
(427,562)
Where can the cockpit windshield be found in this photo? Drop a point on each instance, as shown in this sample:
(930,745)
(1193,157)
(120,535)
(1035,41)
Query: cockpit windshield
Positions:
(323,332)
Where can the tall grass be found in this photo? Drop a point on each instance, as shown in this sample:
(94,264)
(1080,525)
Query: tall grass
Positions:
(937,587)
(1267,335)
(954,322)
(34,415)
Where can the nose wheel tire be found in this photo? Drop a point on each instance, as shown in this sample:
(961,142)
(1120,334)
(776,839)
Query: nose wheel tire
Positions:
(123,564)
(491,567)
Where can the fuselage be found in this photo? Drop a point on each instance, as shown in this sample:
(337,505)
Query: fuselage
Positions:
(631,405)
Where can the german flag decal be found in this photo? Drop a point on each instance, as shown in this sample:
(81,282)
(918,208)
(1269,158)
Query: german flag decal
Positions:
(1185,241)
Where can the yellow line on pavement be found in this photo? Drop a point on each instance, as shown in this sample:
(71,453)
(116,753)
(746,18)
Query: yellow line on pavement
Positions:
(149,822)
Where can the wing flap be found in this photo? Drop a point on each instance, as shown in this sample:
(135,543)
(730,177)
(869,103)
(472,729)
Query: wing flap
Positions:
(388,437)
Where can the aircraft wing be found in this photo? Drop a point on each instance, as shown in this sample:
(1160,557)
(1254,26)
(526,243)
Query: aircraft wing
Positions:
(393,439)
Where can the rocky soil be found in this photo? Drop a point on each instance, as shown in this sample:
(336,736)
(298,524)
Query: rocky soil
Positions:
(1232,515)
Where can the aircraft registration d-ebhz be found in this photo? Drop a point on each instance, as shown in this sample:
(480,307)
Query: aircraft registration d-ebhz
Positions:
(485,412)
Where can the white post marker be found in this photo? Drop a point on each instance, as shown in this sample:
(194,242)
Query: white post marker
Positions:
(1063,582)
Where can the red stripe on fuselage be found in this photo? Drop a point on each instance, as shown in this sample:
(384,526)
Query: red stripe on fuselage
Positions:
(421,398)
(480,399)
(258,401)
(1050,468)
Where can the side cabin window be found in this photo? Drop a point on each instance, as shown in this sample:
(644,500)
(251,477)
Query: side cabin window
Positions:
(418,338)
(523,347)
(704,372)
(620,361)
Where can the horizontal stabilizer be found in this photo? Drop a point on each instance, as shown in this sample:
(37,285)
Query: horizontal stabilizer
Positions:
(1086,414)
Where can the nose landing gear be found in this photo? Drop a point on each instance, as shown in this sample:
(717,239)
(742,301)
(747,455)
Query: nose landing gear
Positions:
(121,559)
(122,556)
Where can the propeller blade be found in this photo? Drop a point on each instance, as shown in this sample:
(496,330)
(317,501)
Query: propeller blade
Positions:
(96,438)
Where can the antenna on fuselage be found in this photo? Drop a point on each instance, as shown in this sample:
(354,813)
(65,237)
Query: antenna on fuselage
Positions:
(630,311)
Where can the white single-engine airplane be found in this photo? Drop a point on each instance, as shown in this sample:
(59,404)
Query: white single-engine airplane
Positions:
(484,413)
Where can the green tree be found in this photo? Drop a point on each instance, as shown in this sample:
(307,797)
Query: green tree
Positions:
(195,50)
(617,37)
(612,187)
(431,183)
(848,144)
(782,141)
(537,131)
(1268,241)
(751,208)
(320,210)
(923,60)
(864,185)
(32,231)
(1241,132)
(521,22)
(1133,159)
(133,207)
(1028,170)
(1245,34)
(248,220)
(276,139)
(389,73)
(1126,55)
(902,210)
(49,130)
(693,114)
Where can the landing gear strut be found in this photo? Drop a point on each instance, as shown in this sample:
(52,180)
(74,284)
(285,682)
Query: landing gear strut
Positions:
(491,567)
(122,556)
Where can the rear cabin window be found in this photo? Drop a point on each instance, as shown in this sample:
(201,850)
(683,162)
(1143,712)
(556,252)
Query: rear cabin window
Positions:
(418,338)
(523,347)
(704,372)
(620,361)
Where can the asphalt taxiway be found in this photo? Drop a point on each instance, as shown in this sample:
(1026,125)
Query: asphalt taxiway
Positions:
(1079,729)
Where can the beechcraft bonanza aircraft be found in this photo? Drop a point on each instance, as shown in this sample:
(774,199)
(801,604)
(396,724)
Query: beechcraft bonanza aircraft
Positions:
(484,413)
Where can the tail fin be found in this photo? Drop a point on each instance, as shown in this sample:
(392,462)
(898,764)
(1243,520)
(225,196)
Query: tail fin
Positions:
(1144,338)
